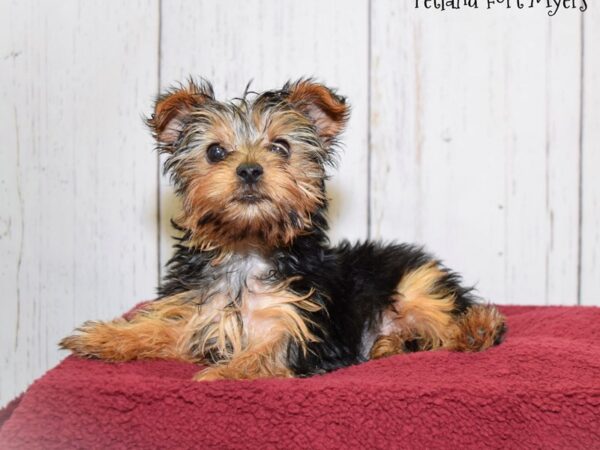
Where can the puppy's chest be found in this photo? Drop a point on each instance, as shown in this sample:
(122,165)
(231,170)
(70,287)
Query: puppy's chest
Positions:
(244,286)
(246,306)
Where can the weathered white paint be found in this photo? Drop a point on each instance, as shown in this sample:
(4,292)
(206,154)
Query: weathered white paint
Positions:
(475,134)
(474,126)
(231,42)
(590,239)
(77,177)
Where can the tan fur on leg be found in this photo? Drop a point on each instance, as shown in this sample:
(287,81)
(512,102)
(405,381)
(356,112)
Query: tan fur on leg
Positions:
(422,314)
(154,332)
(422,310)
(389,345)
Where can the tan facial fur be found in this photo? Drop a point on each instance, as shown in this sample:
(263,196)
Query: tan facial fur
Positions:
(305,115)
(290,187)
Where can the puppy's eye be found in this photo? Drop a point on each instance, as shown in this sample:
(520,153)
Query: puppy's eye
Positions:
(281,146)
(215,153)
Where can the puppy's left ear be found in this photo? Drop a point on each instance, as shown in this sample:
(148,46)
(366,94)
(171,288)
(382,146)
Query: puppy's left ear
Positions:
(327,111)
(173,110)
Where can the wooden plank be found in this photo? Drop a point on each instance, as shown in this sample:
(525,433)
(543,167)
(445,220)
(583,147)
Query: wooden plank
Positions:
(473,116)
(230,43)
(77,174)
(563,103)
(590,240)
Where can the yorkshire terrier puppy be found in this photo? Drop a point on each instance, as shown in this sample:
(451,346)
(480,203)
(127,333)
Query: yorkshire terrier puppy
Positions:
(254,289)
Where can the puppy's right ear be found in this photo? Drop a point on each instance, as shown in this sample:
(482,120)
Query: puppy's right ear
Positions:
(173,109)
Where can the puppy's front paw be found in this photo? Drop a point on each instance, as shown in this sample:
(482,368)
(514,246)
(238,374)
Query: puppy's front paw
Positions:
(84,341)
(100,340)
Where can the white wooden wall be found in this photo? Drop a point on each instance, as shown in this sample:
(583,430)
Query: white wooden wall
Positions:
(476,133)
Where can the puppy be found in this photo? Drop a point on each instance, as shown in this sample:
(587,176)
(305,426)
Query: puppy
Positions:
(255,289)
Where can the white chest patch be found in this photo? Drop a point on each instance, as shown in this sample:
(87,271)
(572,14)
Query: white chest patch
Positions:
(244,307)
(238,274)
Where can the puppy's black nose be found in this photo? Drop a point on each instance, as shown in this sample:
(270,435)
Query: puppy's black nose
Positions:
(249,172)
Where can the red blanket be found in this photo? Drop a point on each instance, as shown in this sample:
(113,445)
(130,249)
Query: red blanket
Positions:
(541,388)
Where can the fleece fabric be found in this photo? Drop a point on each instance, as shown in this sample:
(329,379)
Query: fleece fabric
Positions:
(539,389)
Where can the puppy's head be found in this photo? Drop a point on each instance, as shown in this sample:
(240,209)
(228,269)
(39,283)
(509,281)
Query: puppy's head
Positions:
(252,169)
